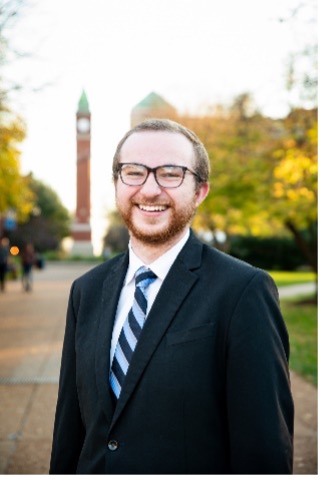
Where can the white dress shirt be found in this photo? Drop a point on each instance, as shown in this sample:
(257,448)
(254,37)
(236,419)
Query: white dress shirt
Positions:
(160,267)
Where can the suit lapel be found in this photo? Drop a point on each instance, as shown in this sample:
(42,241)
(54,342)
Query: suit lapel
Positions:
(110,296)
(174,290)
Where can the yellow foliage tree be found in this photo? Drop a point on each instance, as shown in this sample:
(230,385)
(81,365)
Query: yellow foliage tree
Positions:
(295,185)
(15,193)
(263,174)
(239,141)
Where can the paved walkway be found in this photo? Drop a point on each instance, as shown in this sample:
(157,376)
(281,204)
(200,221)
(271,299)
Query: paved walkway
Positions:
(31,333)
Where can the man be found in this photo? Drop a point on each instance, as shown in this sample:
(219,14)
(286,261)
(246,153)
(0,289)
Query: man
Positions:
(201,386)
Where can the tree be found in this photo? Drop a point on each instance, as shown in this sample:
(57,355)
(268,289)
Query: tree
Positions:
(302,64)
(295,187)
(117,237)
(264,174)
(239,141)
(48,223)
(15,189)
(16,194)
(10,11)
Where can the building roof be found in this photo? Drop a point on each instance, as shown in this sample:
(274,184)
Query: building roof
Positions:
(153,100)
(83,105)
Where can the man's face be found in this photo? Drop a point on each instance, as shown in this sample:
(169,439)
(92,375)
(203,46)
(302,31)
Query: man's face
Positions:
(153,214)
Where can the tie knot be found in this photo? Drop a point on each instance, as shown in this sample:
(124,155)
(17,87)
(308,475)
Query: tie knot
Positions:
(144,277)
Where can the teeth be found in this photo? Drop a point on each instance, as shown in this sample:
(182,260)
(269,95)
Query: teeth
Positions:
(152,208)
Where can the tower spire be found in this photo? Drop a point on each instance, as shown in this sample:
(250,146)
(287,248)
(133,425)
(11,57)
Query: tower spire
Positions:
(83,105)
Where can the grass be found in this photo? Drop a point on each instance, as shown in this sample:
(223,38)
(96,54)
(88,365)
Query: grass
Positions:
(286,278)
(300,316)
(301,320)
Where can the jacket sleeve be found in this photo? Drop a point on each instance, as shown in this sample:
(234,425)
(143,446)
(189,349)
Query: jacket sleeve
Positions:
(68,435)
(260,405)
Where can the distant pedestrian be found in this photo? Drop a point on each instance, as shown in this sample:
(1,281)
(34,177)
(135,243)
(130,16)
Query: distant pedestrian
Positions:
(28,258)
(4,258)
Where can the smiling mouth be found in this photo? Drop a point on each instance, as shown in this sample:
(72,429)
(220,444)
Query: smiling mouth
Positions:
(152,208)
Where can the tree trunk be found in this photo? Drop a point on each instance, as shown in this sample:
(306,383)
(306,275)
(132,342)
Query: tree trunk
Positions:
(308,249)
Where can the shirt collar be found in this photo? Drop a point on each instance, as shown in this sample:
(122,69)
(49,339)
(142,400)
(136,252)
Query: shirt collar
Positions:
(160,266)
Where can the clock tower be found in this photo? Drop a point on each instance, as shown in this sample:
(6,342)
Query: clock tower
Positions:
(81,229)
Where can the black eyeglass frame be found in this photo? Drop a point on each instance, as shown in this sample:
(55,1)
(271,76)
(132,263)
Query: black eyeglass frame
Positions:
(154,171)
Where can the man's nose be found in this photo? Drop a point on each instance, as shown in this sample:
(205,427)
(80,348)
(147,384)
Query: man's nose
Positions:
(151,186)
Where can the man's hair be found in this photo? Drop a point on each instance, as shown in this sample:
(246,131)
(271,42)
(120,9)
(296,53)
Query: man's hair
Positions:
(202,165)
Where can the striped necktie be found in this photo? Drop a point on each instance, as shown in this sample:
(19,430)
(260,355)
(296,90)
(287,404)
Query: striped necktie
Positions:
(131,330)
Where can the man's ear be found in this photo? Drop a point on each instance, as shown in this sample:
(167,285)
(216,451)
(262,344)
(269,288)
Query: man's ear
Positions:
(202,192)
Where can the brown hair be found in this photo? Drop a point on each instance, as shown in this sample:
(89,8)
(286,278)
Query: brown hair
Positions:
(202,165)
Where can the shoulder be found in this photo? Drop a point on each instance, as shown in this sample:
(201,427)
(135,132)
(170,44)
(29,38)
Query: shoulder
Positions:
(226,262)
(206,255)
(99,273)
(90,287)
(218,266)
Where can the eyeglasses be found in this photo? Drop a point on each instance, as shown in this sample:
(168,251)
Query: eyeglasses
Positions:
(167,176)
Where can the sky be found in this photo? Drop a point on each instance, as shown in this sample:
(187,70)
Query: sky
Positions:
(194,53)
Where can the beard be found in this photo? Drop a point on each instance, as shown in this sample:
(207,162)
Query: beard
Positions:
(177,223)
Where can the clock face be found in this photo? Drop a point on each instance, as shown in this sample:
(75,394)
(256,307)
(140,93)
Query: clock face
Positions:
(83,125)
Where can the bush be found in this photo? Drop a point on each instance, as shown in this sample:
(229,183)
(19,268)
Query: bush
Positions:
(267,253)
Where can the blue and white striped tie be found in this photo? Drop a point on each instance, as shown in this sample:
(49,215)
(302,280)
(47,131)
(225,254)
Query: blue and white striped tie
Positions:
(131,330)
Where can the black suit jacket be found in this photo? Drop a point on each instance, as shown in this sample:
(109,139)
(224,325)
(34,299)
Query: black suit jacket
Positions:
(207,391)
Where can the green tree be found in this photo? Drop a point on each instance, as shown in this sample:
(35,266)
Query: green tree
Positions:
(117,236)
(48,223)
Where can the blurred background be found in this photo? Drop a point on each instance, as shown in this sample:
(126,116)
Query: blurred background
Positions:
(243,76)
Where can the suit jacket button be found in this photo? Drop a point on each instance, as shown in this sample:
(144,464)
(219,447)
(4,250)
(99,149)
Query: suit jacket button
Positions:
(113,445)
